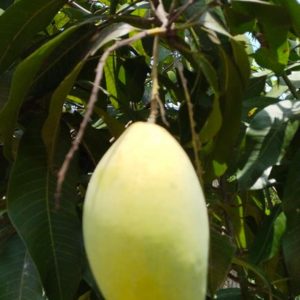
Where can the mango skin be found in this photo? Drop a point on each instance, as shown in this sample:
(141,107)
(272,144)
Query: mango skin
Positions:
(145,221)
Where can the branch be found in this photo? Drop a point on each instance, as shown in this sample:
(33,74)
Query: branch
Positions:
(195,139)
(93,99)
(290,85)
(76,5)
(156,102)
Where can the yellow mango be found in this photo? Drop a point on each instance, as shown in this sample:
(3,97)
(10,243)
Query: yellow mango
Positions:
(145,221)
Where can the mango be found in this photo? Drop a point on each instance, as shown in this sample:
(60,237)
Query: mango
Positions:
(145,222)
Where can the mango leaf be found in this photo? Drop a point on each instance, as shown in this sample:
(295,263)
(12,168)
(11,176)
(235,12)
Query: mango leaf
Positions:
(21,83)
(273,22)
(221,254)
(95,141)
(236,213)
(252,106)
(112,81)
(136,71)
(229,294)
(5,80)
(213,122)
(51,233)
(51,125)
(232,86)
(256,270)
(58,98)
(255,86)
(19,278)
(267,242)
(293,8)
(208,70)
(20,22)
(4,4)
(267,138)
(291,207)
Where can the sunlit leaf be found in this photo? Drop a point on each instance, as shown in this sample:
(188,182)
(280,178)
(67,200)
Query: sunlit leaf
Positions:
(267,137)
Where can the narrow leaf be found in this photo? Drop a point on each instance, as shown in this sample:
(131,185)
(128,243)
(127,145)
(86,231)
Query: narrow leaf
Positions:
(51,234)
(51,125)
(291,207)
(267,243)
(232,86)
(19,278)
(267,137)
(21,83)
(221,254)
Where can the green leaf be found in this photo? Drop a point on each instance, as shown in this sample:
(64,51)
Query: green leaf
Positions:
(267,242)
(252,106)
(291,207)
(256,270)
(232,86)
(221,254)
(111,81)
(59,96)
(229,294)
(291,248)
(21,83)
(208,70)
(20,22)
(51,234)
(19,278)
(51,125)
(267,138)
(136,71)
(95,141)
(293,8)
(5,80)
(213,123)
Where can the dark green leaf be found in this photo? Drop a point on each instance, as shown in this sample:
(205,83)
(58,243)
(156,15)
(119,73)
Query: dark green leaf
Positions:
(20,22)
(136,72)
(268,240)
(232,86)
(51,125)
(229,294)
(291,207)
(19,278)
(51,234)
(256,270)
(221,254)
(293,8)
(21,83)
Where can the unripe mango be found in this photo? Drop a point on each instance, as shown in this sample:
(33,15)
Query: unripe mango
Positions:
(145,221)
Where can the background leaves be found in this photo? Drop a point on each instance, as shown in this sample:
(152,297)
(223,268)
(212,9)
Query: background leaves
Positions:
(241,62)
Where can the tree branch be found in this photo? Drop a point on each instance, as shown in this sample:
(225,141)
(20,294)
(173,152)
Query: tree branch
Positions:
(93,99)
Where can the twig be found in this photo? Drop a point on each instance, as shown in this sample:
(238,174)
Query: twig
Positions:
(76,5)
(156,103)
(195,139)
(290,85)
(181,10)
(92,100)
(155,86)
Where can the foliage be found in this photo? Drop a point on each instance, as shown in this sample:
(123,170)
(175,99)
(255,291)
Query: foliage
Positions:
(240,61)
